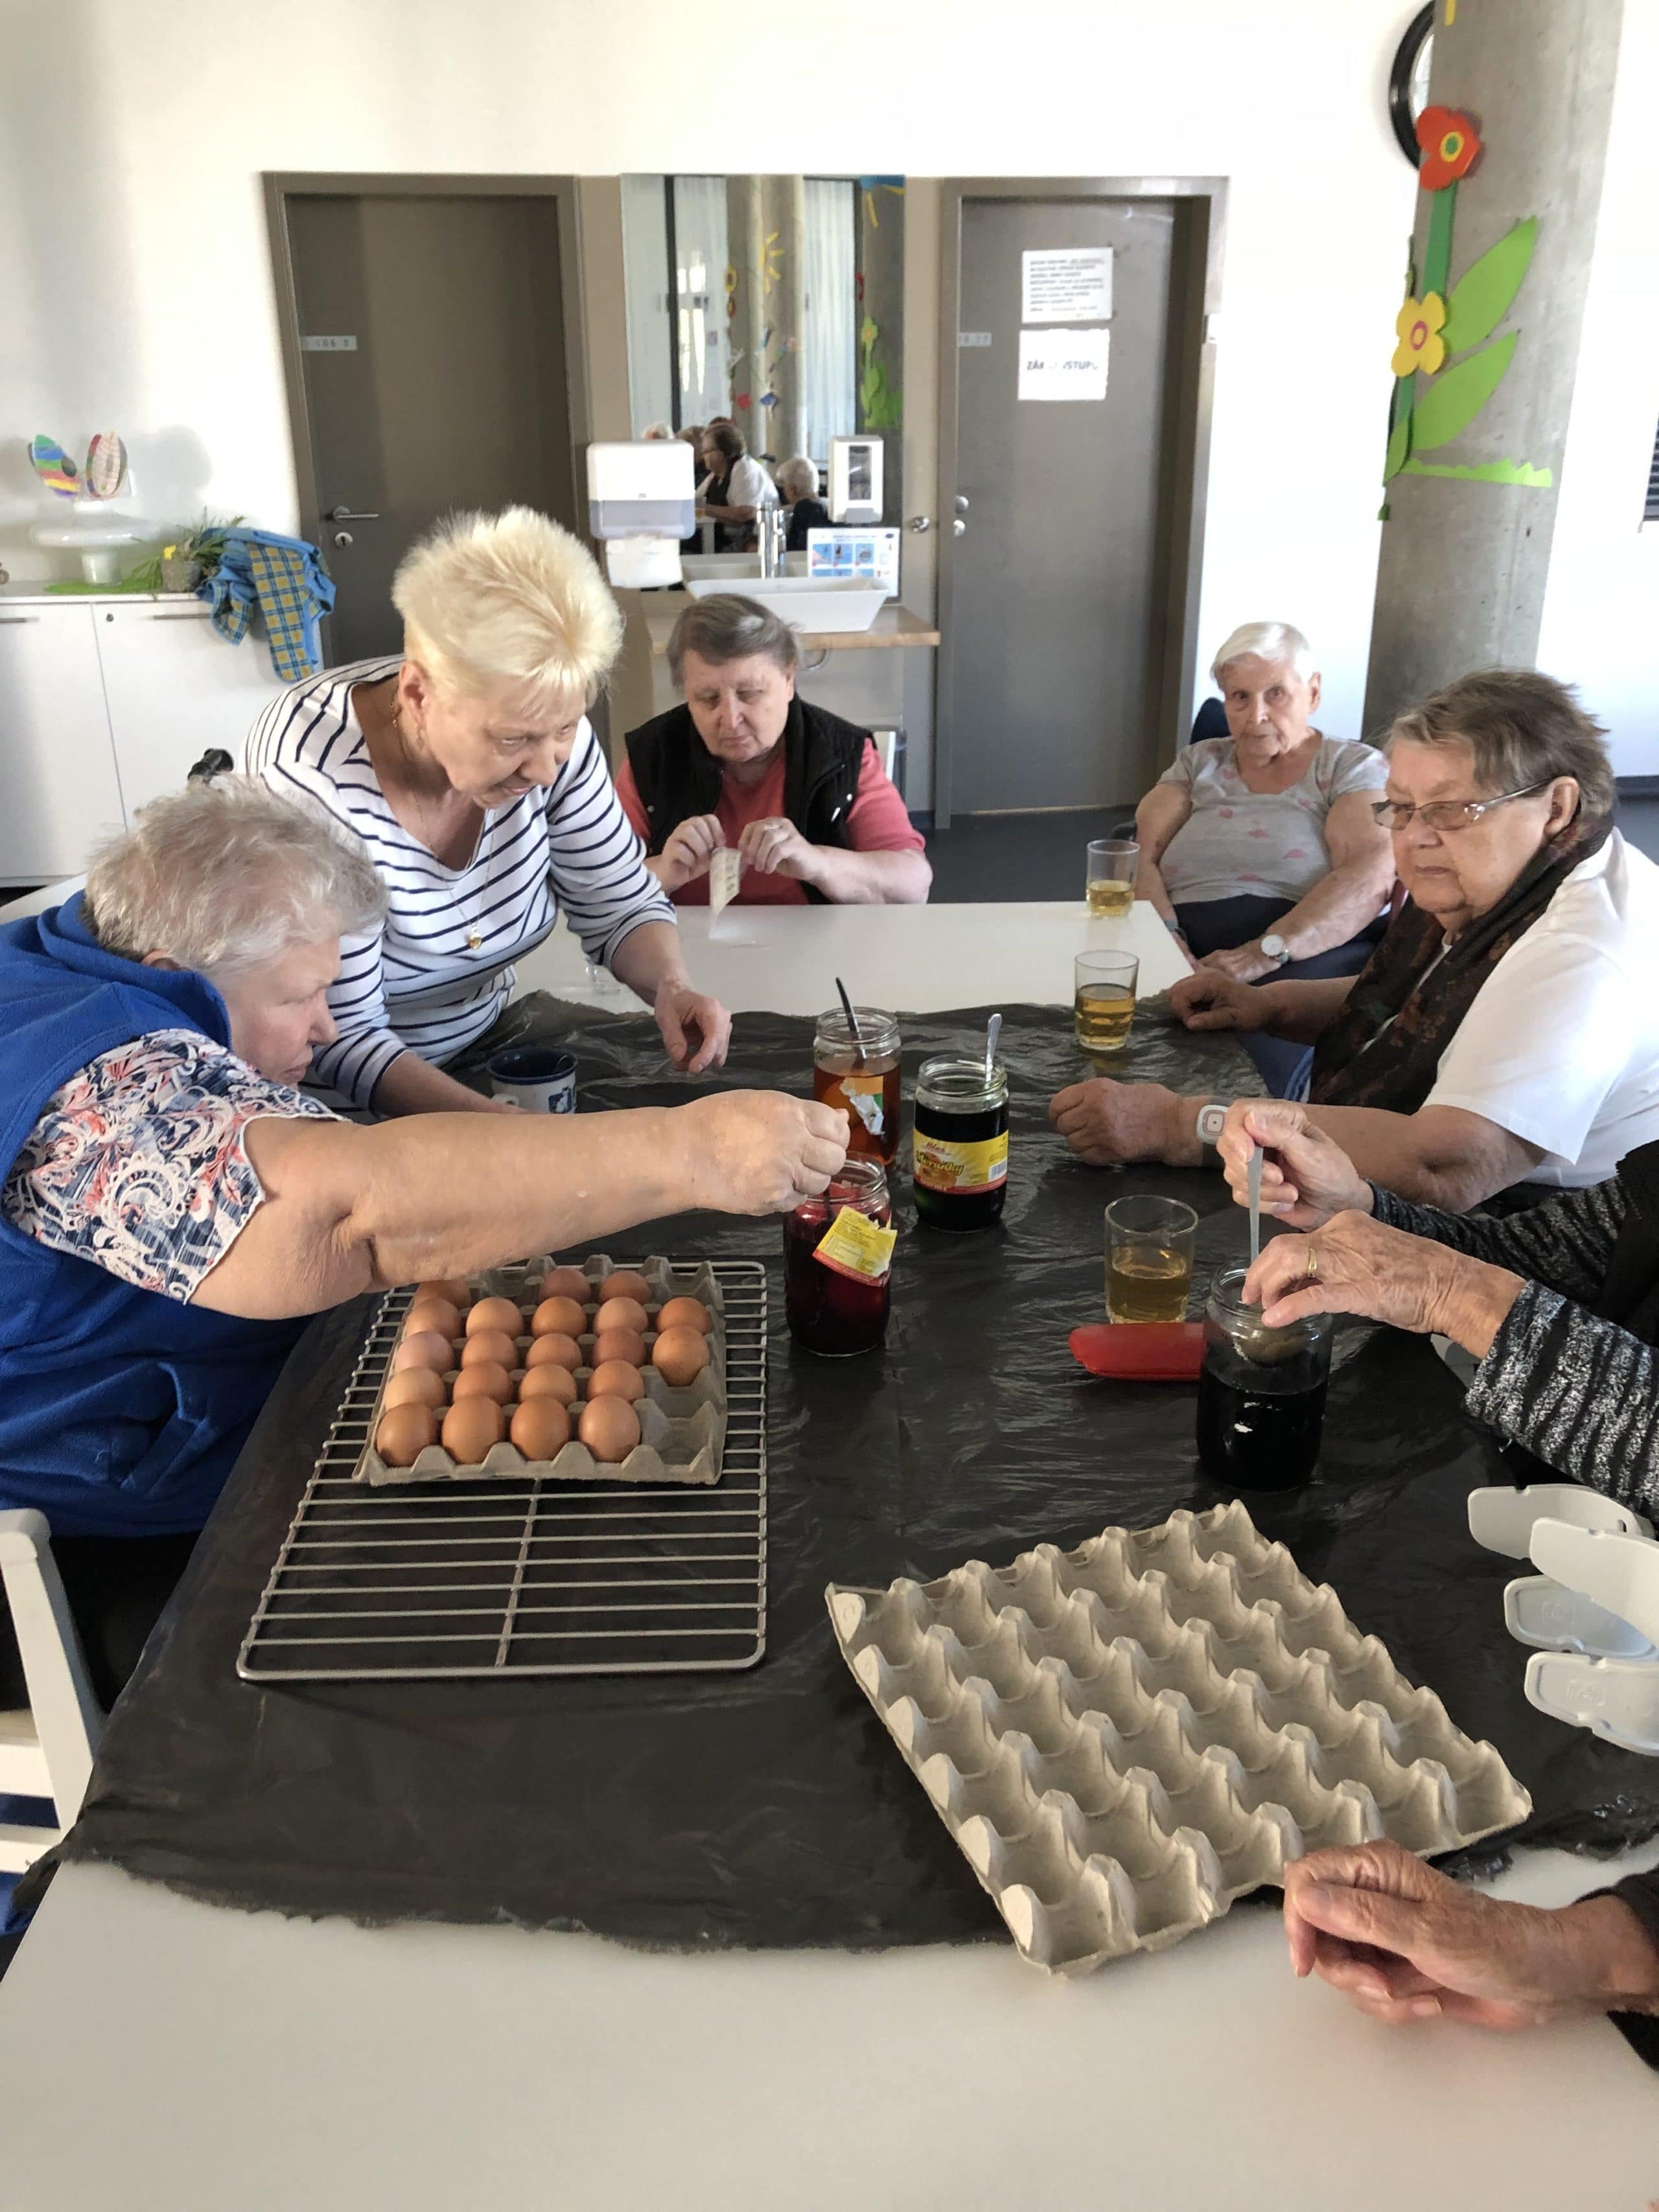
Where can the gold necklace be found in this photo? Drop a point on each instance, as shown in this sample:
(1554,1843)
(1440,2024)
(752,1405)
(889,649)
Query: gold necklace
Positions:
(475,934)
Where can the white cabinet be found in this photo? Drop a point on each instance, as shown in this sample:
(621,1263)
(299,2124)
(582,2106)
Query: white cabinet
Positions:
(59,788)
(174,687)
(104,703)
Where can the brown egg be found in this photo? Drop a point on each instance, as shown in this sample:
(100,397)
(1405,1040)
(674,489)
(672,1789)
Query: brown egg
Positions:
(559,1351)
(470,1428)
(619,1344)
(609,1428)
(541,1428)
(490,1347)
(425,1349)
(455,1288)
(679,1356)
(433,1313)
(416,1386)
(557,1317)
(616,1378)
(494,1313)
(620,1312)
(404,1433)
(550,1381)
(485,1381)
(566,1282)
(686,1313)
(626,1284)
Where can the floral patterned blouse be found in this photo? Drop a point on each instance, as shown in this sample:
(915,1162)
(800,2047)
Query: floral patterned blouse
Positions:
(139,1163)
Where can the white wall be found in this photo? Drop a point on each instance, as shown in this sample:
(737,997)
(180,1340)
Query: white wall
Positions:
(1601,604)
(135,288)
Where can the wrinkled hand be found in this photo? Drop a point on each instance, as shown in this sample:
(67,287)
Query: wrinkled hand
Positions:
(1360,1267)
(696,1029)
(1306,1177)
(1106,1123)
(758,1151)
(775,847)
(1207,1000)
(688,850)
(1245,963)
(1407,1943)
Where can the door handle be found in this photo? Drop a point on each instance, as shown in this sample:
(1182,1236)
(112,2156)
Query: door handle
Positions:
(19,618)
(922,523)
(958,528)
(348,514)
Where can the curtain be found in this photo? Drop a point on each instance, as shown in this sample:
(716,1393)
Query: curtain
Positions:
(830,337)
(702,349)
(650,323)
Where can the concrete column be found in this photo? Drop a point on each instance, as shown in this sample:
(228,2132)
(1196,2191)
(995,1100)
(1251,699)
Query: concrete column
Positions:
(745,218)
(788,300)
(1461,581)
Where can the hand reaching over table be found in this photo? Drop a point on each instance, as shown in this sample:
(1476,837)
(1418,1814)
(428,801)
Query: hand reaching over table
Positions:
(1106,1123)
(696,1029)
(1212,999)
(762,1152)
(1306,1177)
(1407,1943)
(1353,1265)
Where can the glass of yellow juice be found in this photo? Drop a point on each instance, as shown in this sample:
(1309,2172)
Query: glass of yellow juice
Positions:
(1103,1000)
(1110,884)
(1149,1259)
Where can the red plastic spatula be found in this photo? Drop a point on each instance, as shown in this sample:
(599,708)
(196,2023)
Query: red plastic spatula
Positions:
(1141,1351)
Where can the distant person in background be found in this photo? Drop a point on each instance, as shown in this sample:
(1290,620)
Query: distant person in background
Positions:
(747,763)
(798,486)
(1258,848)
(654,431)
(734,490)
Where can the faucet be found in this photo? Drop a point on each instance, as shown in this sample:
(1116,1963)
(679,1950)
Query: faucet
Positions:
(769,531)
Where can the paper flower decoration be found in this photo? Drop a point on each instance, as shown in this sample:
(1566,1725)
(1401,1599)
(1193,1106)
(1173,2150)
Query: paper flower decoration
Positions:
(1450,145)
(1418,327)
(743,399)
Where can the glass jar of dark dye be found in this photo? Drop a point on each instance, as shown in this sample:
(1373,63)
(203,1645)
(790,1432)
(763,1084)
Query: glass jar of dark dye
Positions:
(1260,1393)
(837,1307)
(961,1144)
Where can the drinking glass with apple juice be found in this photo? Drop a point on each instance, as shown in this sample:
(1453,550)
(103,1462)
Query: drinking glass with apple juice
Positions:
(860,1078)
(1103,1000)
(1109,886)
(1149,1259)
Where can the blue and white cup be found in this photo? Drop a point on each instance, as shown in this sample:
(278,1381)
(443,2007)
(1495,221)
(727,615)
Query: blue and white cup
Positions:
(538,1077)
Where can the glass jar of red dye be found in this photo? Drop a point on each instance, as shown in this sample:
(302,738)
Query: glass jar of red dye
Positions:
(837,1264)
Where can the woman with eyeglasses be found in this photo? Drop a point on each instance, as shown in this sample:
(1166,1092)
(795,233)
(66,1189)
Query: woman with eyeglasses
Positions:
(1506,1030)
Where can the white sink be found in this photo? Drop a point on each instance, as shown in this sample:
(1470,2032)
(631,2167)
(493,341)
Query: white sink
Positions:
(803,601)
(737,564)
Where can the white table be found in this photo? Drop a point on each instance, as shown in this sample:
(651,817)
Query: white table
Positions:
(158,2055)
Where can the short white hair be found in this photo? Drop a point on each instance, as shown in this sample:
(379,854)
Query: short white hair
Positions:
(657,430)
(227,876)
(508,601)
(801,475)
(1265,640)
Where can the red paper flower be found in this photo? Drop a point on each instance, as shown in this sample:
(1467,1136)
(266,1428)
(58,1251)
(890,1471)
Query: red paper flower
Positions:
(1450,145)
(743,399)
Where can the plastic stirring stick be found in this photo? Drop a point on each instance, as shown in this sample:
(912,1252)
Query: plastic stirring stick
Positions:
(852,1021)
(993,1030)
(1255,1172)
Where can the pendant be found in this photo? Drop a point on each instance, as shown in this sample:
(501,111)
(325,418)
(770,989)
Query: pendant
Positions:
(474,940)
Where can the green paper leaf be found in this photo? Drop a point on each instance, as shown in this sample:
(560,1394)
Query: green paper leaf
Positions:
(1457,394)
(1504,472)
(1399,444)
(1482,294)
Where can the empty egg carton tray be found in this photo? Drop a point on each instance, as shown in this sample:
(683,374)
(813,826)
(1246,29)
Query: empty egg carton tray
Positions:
(1125,1738)
(682,1432)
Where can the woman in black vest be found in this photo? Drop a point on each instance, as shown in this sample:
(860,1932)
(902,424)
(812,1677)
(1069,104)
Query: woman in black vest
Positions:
(746,763)
(1559,1305)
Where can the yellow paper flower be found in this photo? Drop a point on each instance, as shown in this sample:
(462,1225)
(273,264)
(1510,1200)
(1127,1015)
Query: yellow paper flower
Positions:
(1418,327)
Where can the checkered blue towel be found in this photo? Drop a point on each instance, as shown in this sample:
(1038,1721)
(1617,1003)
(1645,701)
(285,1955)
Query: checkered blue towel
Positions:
(282,578)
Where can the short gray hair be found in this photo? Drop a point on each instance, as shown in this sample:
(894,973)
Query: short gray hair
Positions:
(1265,640)
(727,626)
(1522,728)
(227,876)
(801,475)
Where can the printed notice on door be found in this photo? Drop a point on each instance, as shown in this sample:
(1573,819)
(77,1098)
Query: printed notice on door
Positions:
(1063,364)
(1066,284)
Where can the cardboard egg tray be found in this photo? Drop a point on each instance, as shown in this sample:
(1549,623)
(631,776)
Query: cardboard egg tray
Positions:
(1125,1738)
(683,1432)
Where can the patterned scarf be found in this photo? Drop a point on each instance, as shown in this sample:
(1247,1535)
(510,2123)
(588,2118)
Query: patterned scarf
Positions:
(1384,1048)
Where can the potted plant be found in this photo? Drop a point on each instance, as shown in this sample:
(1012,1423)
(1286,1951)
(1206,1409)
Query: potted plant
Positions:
(181,565)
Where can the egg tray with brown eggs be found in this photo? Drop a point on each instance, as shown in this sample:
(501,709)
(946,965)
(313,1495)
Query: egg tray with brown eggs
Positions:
(682,1424)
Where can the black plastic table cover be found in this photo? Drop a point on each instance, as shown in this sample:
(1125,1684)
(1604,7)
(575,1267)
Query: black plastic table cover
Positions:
(769,1807)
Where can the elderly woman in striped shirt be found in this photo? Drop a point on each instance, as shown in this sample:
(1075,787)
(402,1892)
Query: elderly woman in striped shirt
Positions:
(469,769)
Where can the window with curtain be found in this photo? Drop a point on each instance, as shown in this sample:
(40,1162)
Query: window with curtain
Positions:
(830,339)
(701,349)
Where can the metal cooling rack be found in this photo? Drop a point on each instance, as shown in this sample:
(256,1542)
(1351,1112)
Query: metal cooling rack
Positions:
(520,1577)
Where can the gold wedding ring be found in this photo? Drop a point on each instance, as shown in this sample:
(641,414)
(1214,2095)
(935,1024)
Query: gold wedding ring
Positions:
(1312,1275)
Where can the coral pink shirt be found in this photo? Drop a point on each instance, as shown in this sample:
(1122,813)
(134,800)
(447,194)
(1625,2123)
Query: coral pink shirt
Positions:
(877,822)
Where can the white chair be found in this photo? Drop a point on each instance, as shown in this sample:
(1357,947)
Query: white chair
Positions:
(886,743)
(46,1748)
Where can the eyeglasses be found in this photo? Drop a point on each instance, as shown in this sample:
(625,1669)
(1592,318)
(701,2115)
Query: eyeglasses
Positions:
(1443,814)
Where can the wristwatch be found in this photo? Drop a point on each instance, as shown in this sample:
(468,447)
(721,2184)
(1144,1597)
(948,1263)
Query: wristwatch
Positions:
(1211,1118)
(1274,948)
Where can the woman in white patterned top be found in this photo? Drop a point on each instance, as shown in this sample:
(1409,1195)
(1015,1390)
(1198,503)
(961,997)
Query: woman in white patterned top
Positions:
(468,769)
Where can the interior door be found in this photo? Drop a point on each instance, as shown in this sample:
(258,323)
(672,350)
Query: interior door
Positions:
(1053,556)
(433,356)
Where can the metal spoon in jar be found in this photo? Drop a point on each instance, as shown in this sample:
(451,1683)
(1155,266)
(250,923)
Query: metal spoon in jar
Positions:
(1254,1171)
(852,1021)
(993,1030)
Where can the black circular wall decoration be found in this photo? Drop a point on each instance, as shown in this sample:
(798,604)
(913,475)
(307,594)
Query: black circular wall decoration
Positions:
(1408,83)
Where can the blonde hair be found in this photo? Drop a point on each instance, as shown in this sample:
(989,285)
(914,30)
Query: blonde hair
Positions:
(509,599)
(224,876)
